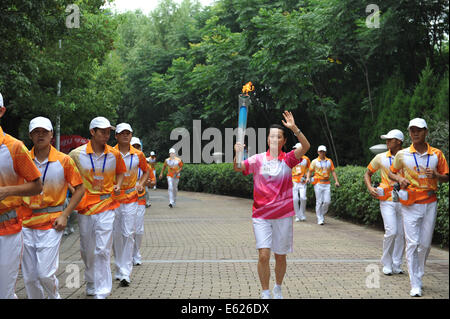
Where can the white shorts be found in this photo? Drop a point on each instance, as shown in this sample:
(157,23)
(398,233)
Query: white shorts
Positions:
(276,234)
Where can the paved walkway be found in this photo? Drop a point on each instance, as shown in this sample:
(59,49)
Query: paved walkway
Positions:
(204,248)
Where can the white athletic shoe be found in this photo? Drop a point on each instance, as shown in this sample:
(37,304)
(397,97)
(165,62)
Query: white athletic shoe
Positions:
(297,219)
(266,295)
(397,271)
(90,289)
(387,271)
(277,292)
(416,292)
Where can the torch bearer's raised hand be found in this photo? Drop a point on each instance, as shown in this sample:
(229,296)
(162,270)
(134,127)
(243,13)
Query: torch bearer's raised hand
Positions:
(289,121)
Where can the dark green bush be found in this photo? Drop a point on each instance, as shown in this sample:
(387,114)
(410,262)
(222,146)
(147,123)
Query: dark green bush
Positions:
(351,201)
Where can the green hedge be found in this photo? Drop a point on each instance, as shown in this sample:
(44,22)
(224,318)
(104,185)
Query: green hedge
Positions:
(351,201)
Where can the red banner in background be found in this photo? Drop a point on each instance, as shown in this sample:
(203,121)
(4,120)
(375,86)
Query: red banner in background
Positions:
(69,142)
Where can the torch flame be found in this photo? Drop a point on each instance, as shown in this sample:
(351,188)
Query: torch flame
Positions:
(248,88)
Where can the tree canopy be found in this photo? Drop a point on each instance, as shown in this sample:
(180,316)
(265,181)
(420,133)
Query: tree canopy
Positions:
(345,82)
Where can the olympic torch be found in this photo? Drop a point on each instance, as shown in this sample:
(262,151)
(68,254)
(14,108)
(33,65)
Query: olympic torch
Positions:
(244,103)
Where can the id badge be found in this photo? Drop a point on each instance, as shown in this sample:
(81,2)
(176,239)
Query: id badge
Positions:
(325,173)
(97,184)
(36,201)
(423,181)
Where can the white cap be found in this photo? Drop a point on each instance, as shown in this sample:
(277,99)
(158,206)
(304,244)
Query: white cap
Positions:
(134,140)
(297,145)
(418,122)
(1,100)
(322,148)
(172,150)
(122,127)
(152,153)
(393,134)
(40,122)
(100,122)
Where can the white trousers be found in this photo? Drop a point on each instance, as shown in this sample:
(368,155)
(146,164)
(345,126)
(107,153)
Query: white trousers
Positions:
(418,222)
(172,183)
(139,233)
(323,200)
(299,195)
(40,262)
(95,247)
(10,258)
(123,239)
(394,238)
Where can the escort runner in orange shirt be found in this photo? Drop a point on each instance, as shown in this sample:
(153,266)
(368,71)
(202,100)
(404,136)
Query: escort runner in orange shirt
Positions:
(125,220)
(102,169)
(175,165)
(299,186)
(418,169)
(322,166)
(394,239)
(136,143)
(44,216)
(16,167)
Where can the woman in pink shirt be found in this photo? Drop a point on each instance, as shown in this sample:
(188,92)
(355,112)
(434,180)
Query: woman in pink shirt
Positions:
(273,208)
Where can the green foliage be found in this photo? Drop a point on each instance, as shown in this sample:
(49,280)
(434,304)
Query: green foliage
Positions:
(89,72)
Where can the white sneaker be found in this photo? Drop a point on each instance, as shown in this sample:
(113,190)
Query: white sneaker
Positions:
(397,270)
(277,292)
(416,292)
(320,222)
(297,219)
(137,262)
(90,289)
(266,295)
(387,271)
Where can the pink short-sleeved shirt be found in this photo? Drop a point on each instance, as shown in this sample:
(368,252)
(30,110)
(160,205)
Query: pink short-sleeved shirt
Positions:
(272,184)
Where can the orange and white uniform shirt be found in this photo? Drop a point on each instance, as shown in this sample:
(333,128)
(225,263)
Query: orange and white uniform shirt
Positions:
(174,166)
(322,170)
(134,161)
(383,162)
(99,177)
(152,162)
(16,166)
(299,171)
(414,165)
(141,196)
(57,172)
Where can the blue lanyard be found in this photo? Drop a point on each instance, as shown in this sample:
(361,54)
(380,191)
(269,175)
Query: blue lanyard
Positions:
(139,173)
(45,173)
(322,165)
(104,162)
(131,162)
(390,161)
(417,164)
